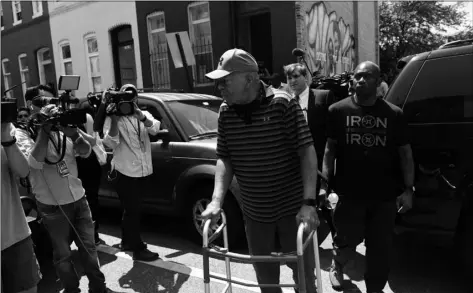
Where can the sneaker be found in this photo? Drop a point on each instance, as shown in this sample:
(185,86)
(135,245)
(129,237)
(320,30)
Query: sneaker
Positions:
(336,276)
(145,255)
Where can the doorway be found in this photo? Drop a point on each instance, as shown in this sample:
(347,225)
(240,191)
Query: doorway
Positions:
(123,56)
(261,39)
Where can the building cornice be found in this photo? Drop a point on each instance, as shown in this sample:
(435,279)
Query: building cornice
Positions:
(67,7)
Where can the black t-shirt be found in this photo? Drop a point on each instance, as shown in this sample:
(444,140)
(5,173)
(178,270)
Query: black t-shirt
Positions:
(367,158)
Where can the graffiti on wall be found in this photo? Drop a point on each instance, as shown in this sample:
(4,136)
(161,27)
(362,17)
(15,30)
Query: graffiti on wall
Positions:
(330,42)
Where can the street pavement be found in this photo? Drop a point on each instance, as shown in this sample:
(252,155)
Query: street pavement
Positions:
(419,266)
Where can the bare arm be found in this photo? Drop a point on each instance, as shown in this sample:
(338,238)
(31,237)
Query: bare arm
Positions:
(309,171)
(407,165)
(328,165)
(223,178)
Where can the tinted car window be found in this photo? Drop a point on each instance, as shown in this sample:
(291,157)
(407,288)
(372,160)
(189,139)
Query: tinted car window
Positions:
(196,116)
(442,91)
(158,113)
(398,91)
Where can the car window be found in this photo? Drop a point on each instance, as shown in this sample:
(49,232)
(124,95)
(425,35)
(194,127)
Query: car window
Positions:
(196,117)
(442,91)
(158,113)
(399,89)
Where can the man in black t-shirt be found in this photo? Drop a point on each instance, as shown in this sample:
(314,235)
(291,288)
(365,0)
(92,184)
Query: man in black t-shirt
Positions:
(374,176)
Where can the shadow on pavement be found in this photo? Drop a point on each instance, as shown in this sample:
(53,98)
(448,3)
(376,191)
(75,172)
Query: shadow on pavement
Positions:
(50,282)
(144,278)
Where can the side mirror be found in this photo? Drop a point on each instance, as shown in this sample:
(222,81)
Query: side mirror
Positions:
(162,134)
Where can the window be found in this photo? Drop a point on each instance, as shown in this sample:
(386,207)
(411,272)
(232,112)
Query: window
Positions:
(438,96)
(16,8)
(93,63)
(1,12)
(24,72)
(45,67)
(201,38)
(7,82)
(37,8)
(158,50)
(66,59)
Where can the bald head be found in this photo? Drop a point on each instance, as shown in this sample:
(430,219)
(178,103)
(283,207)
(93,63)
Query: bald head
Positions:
(372,67)
(366,79)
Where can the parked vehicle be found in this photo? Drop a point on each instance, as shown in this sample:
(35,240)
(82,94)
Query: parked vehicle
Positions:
(435,90)
(184,158)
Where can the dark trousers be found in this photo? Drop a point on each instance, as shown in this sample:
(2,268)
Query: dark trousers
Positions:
(373,221)
(262,241)
(130,191)
(61,234)
(90,173)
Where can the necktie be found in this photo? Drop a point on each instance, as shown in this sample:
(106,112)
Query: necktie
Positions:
(304,109)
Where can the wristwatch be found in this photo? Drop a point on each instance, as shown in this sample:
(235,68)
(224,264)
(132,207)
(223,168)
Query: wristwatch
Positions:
(144,118)
(309,202)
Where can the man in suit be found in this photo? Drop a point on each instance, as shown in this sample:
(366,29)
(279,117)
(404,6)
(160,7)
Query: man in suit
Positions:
(315,104)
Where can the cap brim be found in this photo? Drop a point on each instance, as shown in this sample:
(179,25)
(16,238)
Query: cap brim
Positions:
(217,74)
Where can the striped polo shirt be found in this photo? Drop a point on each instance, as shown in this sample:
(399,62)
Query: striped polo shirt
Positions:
(263,149)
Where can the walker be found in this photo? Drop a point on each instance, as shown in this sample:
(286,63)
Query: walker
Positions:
(219,252)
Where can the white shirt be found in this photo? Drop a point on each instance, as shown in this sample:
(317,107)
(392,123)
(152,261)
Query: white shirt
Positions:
(48,186)
(382,89)
(131,154)
(304,101)
(14,225)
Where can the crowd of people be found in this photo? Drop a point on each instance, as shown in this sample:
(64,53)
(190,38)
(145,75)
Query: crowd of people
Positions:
(273,138)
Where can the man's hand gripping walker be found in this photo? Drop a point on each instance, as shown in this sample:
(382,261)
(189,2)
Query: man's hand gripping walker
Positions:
(218,252)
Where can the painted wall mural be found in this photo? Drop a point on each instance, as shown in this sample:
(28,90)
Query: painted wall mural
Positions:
(330,42)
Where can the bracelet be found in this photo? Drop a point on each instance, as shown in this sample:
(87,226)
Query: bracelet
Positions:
(9,143)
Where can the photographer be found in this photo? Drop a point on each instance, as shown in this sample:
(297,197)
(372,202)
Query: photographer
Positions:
(61,198)
(127,136)
(20,269)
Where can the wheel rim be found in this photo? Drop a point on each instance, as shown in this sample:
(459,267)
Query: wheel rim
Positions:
(197,209)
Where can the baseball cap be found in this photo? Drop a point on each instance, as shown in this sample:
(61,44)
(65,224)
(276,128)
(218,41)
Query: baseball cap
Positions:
(232,61)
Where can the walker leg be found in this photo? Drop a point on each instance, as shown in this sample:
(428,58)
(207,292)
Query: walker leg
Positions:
(227,260)
(320,289)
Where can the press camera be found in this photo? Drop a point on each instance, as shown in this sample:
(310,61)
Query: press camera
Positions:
(66,115)
(123,101)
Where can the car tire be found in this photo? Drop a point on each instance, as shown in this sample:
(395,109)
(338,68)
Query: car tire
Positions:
(235,226)
(464,233)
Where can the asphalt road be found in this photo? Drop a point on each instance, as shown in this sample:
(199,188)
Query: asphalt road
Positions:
(419,265)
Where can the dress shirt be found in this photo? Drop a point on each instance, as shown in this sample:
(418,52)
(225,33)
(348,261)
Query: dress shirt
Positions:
(304,101)
(131,153)
(48,186)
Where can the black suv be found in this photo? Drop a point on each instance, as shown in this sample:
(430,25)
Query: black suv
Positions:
(435,90)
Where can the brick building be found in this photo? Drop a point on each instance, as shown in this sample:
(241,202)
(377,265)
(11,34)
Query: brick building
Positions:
(27,58)
(335,35)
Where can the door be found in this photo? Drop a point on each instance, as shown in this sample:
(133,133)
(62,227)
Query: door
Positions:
(161,184)
(440,124)
(261,39)
(123,56)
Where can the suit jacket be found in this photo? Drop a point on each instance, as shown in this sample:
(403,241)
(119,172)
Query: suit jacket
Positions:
(317,119)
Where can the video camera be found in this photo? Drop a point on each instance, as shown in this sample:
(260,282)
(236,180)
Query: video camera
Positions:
(65,116)
(339,84)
